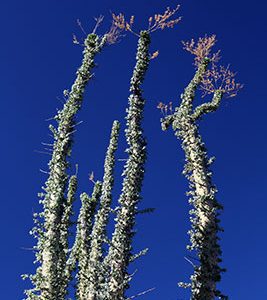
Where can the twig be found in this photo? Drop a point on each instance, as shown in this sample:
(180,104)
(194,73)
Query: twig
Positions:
(28,249)
(49,119)
(46,144)
(42,171)
(141,294)
(191,263)
(76,124)
(98,20)
(42,152)
(80,25)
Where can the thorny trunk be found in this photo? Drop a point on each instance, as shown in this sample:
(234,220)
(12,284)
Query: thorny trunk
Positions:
(205,228)
(205,224)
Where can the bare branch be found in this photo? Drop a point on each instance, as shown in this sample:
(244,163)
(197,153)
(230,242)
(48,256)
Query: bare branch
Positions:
(98,20)
(80,25)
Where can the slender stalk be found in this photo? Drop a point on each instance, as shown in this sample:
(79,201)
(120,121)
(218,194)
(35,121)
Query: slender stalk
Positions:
(81,249)
(95,272)
(120,248)
(65,232)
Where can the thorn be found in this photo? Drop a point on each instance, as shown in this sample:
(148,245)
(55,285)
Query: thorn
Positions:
(42,171)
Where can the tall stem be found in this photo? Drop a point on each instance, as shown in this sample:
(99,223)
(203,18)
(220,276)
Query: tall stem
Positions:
(204,220)
(120,248)
(65,233)
(205,227)
(95,271)
(49,274)
(81,249)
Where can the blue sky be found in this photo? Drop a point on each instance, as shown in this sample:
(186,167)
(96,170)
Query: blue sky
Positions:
(38,61)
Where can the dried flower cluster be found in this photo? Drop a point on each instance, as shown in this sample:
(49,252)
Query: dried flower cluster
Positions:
(165,108)
(216,78)
(116,29)
(202,49)
(163,21)
(154,23)
(121,23)
(154,55)
(220,78)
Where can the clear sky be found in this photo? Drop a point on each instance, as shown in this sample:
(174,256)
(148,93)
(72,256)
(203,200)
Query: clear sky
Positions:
(38,61)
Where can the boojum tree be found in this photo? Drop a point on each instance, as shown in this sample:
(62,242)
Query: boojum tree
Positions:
(53,223)
(217,81)
(105,277)
(120,251)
